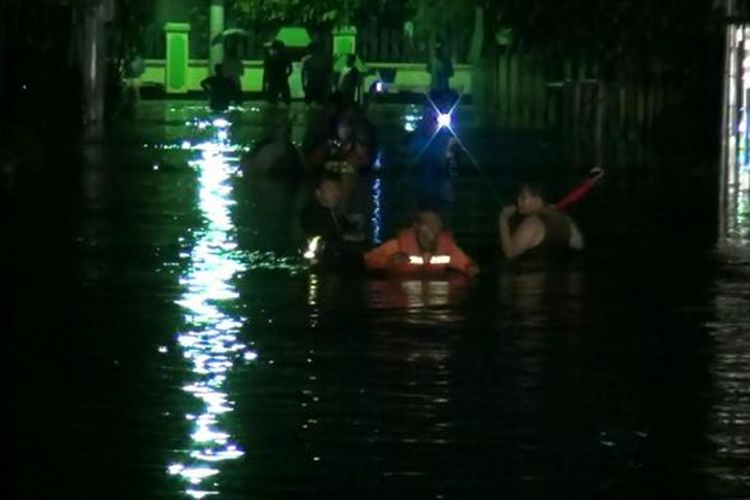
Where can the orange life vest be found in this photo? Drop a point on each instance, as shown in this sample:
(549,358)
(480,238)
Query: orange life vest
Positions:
(446,256)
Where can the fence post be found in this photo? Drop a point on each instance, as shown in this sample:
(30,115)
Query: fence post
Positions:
(216,27)
(601,102)
(93,66)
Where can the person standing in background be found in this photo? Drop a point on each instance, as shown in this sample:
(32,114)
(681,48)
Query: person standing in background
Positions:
(316,74)
(349,79)
(276,71)
(233,69)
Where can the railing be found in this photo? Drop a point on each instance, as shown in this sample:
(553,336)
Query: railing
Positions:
(392,45)
(373,44)
(591,115)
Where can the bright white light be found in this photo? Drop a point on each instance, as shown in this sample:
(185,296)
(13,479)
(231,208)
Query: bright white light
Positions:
(444,120)
(175,469)
(312,248)
(221,123)
(416,259)
(195,474)
(198,494)
(204,435)
(410,121)
(379,87)
(440,259)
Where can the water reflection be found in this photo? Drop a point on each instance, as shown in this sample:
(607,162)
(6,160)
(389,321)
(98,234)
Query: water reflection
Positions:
(419,300)
(210,343)
(731,408)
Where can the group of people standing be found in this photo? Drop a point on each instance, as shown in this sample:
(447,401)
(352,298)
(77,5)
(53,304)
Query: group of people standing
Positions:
(318,78)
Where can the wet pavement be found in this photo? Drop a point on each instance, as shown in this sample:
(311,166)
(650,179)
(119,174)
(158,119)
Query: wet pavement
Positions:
(165,339)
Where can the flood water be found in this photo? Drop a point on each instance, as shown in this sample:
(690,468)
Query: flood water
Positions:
(165,341)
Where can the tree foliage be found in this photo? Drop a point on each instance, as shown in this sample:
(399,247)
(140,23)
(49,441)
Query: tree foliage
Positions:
(442,18)
(302,12)
(133,18)
(614,34)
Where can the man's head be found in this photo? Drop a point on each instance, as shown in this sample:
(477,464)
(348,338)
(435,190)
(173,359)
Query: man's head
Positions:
(217,68)
(530,199)
(350,60)
(345,129)
(328,192)
(428,226)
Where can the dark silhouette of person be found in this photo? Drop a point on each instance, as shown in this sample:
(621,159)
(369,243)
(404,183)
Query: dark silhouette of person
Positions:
(276,71)
(135,66)
(441,71)
(325,217)
(233,68)
(349,79)
(316,74)
(220,89)
(276,155)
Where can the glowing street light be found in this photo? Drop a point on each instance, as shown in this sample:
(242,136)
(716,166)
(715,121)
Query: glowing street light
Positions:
(444,120)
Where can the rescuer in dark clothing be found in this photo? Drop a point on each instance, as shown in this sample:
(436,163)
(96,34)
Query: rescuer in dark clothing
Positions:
(220,89)
(339,234)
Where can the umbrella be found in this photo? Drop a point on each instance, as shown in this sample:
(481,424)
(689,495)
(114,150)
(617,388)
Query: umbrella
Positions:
(227,33)
(581,189)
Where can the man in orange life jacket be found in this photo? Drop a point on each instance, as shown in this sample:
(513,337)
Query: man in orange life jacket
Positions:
(425,247)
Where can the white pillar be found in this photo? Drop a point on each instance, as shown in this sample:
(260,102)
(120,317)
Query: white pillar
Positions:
(728,118)
(216,26)
(93,66)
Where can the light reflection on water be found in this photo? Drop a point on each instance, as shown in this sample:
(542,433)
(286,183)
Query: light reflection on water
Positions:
(210,343)
(566,387)
(731,407)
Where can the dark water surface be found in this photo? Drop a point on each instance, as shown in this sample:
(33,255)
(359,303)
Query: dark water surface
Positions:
(164,341)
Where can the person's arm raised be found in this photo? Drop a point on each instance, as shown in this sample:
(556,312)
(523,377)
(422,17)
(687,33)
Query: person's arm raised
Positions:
(529,234)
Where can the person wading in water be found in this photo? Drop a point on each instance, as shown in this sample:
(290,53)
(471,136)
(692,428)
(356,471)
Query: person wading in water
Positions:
(542,230)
